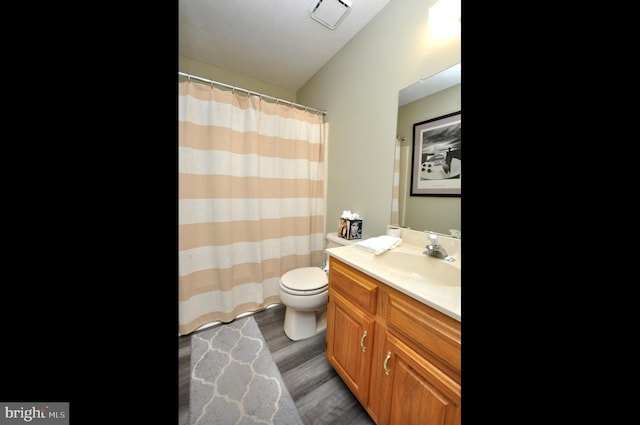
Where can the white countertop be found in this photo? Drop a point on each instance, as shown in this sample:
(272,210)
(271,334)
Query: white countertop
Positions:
(446,299)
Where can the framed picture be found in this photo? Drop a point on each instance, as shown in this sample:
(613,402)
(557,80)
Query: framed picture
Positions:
(436,163)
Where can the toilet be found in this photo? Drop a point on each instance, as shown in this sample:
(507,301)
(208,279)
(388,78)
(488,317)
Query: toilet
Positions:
(305,293)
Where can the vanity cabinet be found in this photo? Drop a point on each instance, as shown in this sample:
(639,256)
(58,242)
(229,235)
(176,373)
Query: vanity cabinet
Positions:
(350,326)
(400,357)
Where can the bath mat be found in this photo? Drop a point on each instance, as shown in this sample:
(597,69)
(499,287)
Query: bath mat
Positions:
(234,379)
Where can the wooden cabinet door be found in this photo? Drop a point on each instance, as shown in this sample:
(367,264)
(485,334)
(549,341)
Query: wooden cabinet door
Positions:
(350,343)
(413,391)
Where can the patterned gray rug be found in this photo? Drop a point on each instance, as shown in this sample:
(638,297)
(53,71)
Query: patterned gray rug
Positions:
(234,380)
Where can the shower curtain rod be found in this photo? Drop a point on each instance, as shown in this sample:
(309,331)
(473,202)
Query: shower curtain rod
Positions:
(249,92)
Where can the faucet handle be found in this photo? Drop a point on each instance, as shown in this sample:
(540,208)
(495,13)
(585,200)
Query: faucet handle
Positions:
(433,238)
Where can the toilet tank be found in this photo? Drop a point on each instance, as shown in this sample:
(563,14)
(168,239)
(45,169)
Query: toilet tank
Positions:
(333,240)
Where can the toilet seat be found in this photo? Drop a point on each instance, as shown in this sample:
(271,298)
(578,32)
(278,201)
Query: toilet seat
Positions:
(304,281)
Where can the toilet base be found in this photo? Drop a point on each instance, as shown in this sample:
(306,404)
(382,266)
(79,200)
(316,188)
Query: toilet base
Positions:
(304,324)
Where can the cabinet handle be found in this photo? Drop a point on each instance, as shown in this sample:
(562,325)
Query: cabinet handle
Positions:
(362,347)
(386,361)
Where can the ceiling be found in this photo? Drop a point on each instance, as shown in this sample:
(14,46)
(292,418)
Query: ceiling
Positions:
(275,41)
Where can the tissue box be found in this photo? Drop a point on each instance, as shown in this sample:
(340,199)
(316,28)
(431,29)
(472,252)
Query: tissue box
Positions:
(350,229)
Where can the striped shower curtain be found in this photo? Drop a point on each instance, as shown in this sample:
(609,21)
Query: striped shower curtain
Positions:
(250,201)
(396,185)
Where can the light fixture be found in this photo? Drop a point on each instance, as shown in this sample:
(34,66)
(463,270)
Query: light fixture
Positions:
(330,12)
(445,17)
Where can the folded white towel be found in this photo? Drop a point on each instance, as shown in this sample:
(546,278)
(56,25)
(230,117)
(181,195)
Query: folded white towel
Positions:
(379,244)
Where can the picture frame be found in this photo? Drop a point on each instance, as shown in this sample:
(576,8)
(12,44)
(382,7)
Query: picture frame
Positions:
(436,162)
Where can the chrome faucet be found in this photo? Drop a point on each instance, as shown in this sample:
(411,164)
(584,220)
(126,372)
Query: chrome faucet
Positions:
(434,249)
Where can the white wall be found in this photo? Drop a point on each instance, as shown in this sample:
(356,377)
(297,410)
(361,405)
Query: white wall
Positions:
(359,89)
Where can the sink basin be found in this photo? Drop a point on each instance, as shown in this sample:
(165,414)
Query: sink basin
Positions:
(411,265)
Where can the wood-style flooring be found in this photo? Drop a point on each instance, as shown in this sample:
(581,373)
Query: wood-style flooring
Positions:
(320,395)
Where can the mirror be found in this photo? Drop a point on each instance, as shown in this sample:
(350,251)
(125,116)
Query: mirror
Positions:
(427,86)
(428,98)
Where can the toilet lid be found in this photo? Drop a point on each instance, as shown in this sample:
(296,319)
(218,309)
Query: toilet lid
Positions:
(305,280)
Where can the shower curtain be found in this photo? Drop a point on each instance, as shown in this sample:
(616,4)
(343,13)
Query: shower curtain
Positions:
(395,219)
(250,200)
